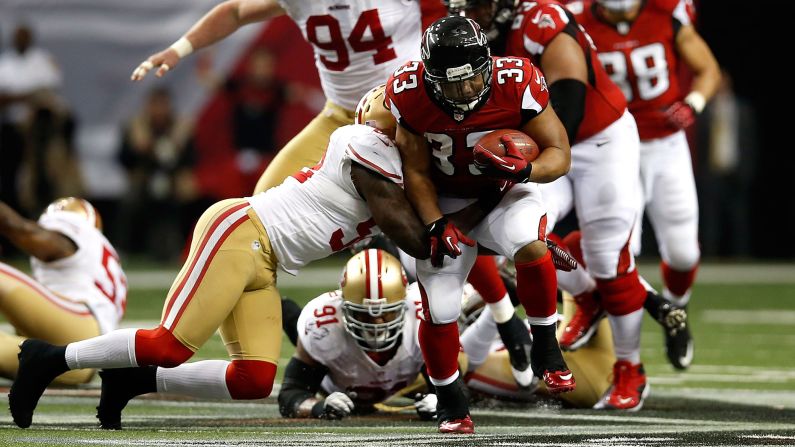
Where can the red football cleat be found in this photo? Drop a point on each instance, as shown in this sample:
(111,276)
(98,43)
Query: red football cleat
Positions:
(583,324)
(629,388)
(559,381)
(457,426)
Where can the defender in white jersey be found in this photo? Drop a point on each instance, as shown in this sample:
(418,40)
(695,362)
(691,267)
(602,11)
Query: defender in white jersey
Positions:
(78,289)
(358,345)
(357,44)
(228,282)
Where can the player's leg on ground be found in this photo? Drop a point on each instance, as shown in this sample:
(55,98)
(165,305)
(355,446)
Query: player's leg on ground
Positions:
(441,290)
(606,197)
(587,313)
(35,312)
(485,278)
(217,271)
(591,364)
(517,228)
(251,332)
(305,149)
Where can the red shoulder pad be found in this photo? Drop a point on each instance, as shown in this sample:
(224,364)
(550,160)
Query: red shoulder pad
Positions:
(542,22)
(536,95)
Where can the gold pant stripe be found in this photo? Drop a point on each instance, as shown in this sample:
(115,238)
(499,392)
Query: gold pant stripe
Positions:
(63,303)
(219,230)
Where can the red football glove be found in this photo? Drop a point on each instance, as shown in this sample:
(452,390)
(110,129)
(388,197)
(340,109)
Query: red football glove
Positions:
(680,115)
(560,257)
(511,166)
(444,238)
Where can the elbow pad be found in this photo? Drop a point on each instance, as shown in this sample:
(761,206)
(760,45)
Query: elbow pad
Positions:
(301,382)
(568,100)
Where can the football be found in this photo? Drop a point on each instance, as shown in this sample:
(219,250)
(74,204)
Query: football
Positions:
(491,142)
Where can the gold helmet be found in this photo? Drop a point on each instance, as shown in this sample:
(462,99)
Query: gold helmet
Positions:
(78,206)
(372,112)
(374,291)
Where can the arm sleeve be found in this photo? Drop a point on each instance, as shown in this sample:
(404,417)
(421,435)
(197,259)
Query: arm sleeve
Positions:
(301,382)
(568,100)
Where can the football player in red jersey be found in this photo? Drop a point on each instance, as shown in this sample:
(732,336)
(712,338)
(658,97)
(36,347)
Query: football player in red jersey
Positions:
(604,160)
(641,44)
(444,104)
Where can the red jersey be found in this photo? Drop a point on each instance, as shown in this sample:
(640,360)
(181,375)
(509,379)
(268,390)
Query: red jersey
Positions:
(643,61)
(534,27)
(518,93)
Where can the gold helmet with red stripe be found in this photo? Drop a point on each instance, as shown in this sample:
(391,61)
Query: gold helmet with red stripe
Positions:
(372,112)
(374,291)
(78,206)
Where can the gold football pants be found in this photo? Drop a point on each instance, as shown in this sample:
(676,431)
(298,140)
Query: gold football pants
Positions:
(228,283)
(36,312)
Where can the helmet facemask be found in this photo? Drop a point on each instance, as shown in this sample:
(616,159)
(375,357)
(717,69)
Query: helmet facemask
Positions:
(463,88)
(374,300)
(375,325)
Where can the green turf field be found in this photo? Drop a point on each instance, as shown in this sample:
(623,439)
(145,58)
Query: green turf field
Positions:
(740,391)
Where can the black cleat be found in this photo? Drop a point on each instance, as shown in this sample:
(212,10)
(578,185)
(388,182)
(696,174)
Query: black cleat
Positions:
(39,364)
(453,404)
(547,360)
(518,343)
(118,387)
(676,329)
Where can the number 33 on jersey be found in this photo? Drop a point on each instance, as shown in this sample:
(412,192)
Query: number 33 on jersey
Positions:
(518,93)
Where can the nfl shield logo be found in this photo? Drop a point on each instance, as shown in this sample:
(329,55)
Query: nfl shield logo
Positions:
(458,116)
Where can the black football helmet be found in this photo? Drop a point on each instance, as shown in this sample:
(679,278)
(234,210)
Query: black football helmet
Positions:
(457,64)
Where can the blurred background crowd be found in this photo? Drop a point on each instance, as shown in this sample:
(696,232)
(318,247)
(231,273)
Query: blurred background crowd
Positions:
(152,156)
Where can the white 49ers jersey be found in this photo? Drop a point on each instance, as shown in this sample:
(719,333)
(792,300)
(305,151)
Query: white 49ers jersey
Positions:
(322,333)
(357,43)
(92,275)
(318,211)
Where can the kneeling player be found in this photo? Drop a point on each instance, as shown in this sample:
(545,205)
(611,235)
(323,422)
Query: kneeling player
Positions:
(78,289)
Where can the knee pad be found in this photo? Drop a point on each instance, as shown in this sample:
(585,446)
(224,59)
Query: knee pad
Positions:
(681,254)
(250,379)
(159,347)
(443,312)
(622,295)
(605,246)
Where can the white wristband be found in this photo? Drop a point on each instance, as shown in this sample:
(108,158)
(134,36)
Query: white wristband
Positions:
(696,100)
(183,47)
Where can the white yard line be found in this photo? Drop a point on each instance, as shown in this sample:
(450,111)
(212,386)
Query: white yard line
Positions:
(745,317)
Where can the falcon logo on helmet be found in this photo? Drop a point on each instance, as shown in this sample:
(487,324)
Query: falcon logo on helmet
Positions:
(374,306)
(78,206)
(457,65)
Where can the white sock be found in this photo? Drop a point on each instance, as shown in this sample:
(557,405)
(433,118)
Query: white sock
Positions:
(626,335)
(205,379)
(478,337)
(113,350)
(680,301)
(502,310)
(576,281)
(443,382)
